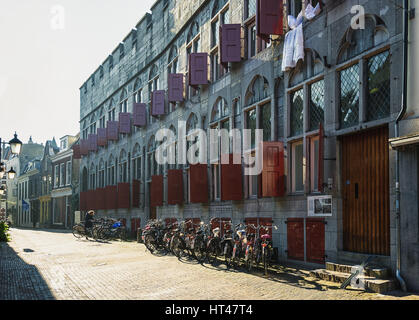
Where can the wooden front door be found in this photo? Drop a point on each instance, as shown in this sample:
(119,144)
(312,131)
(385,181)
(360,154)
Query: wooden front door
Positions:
(366,200)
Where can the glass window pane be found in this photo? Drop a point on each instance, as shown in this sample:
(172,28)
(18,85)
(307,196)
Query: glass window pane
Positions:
(297,108)
(378,96)
(298,168)
(266,122)
(316,104)
(349,96)
(251,124)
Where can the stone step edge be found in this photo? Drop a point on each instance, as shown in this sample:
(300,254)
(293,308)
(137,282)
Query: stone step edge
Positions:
(380,273)
(373,284)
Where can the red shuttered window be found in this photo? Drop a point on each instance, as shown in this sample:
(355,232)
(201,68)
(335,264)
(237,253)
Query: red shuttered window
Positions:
(112,130)
(175,187)
(136,193)
(140,114)
(158,103)
(76,152)
(269,17)
(125,122)
(198,183)
(101,137)
(315,243)
(175,87)
(230,48)
(84,147)
(123,196)
(231,180)
(295,239)
(111,197)
(273,174)
(92,141)
(156,192)
(198,69)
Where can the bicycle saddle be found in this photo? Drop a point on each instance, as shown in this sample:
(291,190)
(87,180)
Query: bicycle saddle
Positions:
(266,237)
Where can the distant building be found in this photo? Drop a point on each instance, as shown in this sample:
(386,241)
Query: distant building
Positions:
(45,188)
(65,183)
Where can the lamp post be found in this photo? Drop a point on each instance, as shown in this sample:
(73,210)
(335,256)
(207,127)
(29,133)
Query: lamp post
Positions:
(15,148)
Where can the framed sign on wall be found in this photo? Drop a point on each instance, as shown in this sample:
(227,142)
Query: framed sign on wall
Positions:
(320,206)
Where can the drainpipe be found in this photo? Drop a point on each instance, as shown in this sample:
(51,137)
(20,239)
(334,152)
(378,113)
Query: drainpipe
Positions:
(399,117)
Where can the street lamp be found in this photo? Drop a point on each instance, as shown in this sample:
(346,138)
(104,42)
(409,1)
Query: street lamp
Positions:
(11,174)
(15,145)
(15,148)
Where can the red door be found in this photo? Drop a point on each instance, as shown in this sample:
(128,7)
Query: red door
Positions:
(315,232)
(295,239)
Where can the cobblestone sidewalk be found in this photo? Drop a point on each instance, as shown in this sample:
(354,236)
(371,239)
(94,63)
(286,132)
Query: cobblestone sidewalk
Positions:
(48,264)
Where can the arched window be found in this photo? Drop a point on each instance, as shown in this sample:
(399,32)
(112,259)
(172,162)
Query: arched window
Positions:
(220,16)
(123,101)
(111,171)
(258,90)
(111,110)
(152,165)
(85,130)
(136,162)
(220,119)
(92,174)
(173,148)
(123,167)
(173,60)
(92,127)
(85,179)
(153,85)
(101,174)
(137,91)
(377,73)
(102,121)
(193,31)
(193,46)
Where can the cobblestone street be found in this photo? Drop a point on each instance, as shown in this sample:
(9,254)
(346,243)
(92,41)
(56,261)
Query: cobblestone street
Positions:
(48,264)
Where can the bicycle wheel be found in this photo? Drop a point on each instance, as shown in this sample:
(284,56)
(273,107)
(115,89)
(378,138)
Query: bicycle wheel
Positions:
(178,247)
(212,252)
(249,259)
(122,234)
(228,254)
(150,243)
(266,258)
(77,232)
(199,250)
(236,258)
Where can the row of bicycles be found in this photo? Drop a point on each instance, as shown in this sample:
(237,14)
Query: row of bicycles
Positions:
(240,245)
(103,229)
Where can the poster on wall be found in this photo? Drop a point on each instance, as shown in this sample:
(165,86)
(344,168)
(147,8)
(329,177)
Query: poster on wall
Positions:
(320,206)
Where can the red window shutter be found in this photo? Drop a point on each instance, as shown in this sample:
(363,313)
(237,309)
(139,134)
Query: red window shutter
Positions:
(83,201)
(250,222)
(76,152)
(111,197)
(100,197)
(295,239)
(273,174)
(84,147)
(223,223)
(136,193)
(231,181)
(315,244)
(198,69)
(112,130)
(158,103)
(269,18)
(175,87)
(170,221)
(92,140)
(175,187)
(230,43)
(101,137)
(156,192)
(198,179)
(192,223)
(125,122)
(140,114)
(123,196)
(321,158)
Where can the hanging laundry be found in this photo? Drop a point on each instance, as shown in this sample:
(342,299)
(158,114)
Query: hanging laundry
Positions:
(293,43)
(312,12)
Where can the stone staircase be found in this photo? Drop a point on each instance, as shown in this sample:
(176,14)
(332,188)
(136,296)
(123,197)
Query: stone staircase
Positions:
(376,279)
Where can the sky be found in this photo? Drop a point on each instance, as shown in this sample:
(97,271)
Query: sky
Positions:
(48,49)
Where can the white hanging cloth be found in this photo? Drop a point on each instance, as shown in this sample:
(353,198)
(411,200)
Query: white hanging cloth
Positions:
(312,12)
(293,43)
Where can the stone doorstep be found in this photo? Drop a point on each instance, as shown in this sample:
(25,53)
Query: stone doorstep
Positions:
(372,283)
(375,272)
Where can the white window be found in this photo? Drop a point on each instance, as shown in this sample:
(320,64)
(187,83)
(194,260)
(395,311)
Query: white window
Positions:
(62,174)
(68,179)
(56,177)
(297,159)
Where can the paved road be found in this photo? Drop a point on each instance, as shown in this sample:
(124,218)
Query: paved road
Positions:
(49,264)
